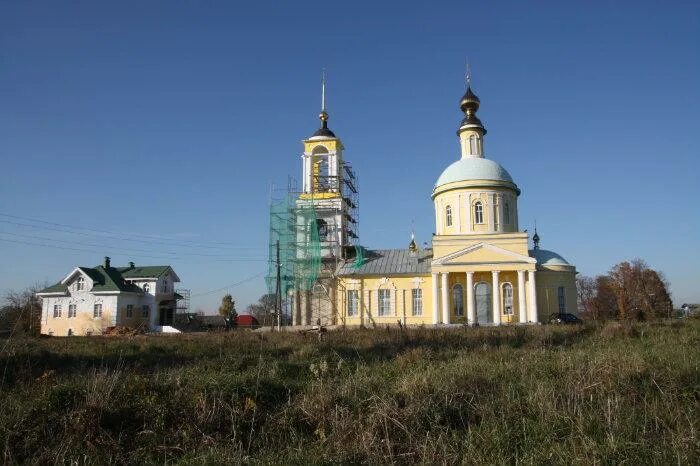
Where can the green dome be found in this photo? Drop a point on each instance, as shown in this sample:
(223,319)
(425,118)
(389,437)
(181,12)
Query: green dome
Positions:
(545,257)
(474,168)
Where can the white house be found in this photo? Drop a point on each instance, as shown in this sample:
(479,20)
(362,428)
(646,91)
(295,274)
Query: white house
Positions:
(90,299)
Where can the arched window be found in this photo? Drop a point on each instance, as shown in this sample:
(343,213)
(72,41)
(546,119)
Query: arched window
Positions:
(507,299)
(146,288)
(473,145)
(448,216)
(506,213)
(322,229)
(458,300)
(80,283)
(478,212)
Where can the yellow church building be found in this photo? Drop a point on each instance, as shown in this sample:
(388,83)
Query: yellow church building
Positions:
(478,270)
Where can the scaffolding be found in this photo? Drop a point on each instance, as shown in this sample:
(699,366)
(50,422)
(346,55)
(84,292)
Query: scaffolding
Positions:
(315,230)
(183,303)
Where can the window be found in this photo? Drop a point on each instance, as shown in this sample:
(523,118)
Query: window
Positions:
(146,288)
(473,145)
(129,311)
(145,310)
(417,298)
(70,332)
(57,310)
(352,302)
(322,229)
(458,300)
(506,214)
(384,298)
(72,310)
(97,311)
(80,283)
(478,212)
(562,300)
(507,299)
(164,289)
(448,216)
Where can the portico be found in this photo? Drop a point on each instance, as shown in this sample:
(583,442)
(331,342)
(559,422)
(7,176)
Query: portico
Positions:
(485,297)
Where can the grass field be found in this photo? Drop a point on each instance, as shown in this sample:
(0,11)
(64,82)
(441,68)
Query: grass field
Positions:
(614,394)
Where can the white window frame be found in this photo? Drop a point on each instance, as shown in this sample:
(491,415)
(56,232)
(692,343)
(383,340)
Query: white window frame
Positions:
(57,311)
(353,302)
(97,311)
(146,288)
(417,301)
(72,310)
(448,216)
(384,302)
(80,283)
(507,300)
(478,213)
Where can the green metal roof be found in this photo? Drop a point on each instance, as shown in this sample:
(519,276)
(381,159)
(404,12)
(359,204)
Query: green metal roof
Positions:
(114,278)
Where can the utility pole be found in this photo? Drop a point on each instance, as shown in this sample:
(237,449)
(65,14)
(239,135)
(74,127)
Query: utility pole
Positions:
(278,290)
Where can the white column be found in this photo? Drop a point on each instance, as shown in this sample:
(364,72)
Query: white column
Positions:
(445,300)
(522,310)
(471,310)
(533,296)
(436,302)
(496,298)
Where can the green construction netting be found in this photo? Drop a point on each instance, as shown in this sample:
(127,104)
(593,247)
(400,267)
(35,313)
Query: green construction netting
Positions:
(296,229)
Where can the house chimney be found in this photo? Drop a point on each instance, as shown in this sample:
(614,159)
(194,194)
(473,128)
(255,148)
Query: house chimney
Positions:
(131,265)
(106,262)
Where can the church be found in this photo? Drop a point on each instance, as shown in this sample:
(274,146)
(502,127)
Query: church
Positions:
(479,269)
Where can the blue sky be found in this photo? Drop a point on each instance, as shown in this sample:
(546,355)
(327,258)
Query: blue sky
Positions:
(163,125)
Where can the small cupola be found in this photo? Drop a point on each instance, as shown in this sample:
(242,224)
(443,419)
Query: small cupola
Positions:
(471,131)
(323,131)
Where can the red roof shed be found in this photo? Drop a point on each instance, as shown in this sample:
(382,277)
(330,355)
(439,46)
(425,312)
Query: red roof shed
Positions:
(247,321)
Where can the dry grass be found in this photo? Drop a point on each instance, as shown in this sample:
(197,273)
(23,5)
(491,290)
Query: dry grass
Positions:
(618,394)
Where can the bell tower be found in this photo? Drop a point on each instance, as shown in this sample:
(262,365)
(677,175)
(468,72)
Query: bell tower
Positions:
(328,187)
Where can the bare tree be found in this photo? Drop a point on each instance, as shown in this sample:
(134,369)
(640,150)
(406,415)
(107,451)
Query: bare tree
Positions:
(21,311)
(586,293)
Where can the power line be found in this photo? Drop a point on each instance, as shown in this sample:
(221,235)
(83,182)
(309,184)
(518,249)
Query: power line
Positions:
(125,250)
(53,246)
(65,228)
(231,285)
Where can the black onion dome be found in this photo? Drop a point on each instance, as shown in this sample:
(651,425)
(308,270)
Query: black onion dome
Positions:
(469,105)
(323,130)
(469,101)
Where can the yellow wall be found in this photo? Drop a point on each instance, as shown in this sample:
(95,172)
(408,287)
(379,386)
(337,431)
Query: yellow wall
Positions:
(83,323)
(547,282)
(514,242)
(401,300)
(330,144)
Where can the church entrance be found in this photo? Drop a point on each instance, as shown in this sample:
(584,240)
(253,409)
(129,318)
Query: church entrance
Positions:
(482,293)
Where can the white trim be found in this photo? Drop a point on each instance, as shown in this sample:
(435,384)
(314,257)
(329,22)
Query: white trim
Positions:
(70,275)
(53,293)
(444,260)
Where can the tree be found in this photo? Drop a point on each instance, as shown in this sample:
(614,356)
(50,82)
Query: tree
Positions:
(586,292)
(640,292)
(264,310)
(21,311)
(228,308)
